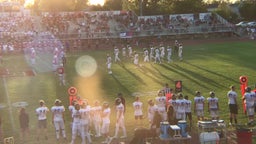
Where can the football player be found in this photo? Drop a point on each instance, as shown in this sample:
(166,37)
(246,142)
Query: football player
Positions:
(120,118)
(58,119)
(41,113)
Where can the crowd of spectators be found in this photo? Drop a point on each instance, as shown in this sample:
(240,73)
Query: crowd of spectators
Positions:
(17,29)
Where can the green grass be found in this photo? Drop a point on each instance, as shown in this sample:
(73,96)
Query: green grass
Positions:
(206,67)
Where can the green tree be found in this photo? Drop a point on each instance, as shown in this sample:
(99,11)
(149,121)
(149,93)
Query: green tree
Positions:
(225,11)
(113,5)
(188,6)
(247,10)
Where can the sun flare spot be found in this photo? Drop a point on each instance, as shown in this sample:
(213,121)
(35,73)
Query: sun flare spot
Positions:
(97,2)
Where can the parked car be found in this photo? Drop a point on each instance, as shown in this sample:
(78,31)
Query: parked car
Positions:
(242,24)
(251,24)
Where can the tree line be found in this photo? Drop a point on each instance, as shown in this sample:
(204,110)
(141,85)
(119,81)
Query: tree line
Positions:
(246,8)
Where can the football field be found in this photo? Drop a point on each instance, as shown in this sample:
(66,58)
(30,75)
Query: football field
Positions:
(206,67)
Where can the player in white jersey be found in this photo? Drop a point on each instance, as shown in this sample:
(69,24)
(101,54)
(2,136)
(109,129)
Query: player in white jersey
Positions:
(232,103)
(124,52)
(120,118)
(181,106)
(249,98)
(41,113)
(130,51)
(109,63)
(138,113)
(33,56)
(116,53)
(152,108)
(106,111)
(188,111)
(61,75)
(162,51)
(58,119)
(157,56)
(169,54)
(180,52)
(152,53)
(161,105)
(173,102)
(136,59)
(213,106)
(55,63)
(146,55)
(85,111)
(199,105)
(76,125)
(96,117)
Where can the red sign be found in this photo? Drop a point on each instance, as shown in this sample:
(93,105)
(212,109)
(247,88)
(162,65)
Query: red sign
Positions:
(72,91)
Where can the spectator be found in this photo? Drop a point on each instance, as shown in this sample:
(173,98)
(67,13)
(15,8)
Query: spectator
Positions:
(24,123)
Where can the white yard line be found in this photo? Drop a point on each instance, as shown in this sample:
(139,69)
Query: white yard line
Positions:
(9,103)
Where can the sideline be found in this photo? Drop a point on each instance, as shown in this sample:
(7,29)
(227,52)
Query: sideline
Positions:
(9,103)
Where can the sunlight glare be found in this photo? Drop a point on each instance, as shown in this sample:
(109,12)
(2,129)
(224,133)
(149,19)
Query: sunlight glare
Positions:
(97,2)
(29,3)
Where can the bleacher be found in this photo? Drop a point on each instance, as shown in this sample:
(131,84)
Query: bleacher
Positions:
(17,28)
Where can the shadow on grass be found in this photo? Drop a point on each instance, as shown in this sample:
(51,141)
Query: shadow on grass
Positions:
(134,75)
(144,70)
(200,77)
(184,75)
(207,70)
(120,84)
(171,80)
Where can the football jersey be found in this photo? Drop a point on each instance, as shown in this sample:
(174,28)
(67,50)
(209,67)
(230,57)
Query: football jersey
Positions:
(106,115)
(213,102)
(181,105)
(161,102)
(109,60)
(57,112)
(41,112)
(96,112)
(85,115)
(232,95)
(249,98)
(137,105)
(120,110)
(76,115)
(199,101)
(188,106)
(173,103)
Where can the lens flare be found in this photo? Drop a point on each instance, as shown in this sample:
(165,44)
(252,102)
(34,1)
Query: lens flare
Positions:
(86,66)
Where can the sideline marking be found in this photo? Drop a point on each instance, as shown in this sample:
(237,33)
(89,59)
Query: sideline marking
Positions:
(9,103)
